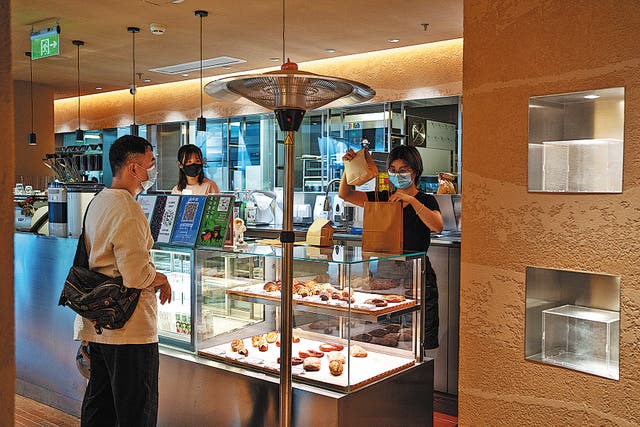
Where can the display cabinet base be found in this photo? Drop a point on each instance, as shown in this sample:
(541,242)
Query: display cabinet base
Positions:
(203,392)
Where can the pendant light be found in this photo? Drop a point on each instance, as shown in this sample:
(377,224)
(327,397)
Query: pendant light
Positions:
(201,123)
(79,132)
(289,93)
(32,135)
(132,87)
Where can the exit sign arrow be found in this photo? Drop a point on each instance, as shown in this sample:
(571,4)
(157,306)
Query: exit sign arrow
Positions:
(45,43)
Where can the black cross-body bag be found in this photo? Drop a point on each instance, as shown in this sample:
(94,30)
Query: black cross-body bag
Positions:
(103,300)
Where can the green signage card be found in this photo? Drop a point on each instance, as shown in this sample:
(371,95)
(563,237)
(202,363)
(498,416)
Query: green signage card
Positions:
(45,43)
(214,225)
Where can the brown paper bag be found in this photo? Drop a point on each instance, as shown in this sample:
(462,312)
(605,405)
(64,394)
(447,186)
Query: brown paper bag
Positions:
(382,229)
(360,169)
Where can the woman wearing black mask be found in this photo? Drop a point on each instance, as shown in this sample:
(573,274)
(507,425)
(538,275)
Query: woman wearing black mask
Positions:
(191,178)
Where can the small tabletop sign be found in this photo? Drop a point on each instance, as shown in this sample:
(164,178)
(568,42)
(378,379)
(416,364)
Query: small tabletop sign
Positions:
(188,219)
(164,215)
(147,203)
(214,226)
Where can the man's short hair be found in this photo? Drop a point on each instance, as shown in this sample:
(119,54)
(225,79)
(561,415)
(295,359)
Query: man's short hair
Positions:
(125,147)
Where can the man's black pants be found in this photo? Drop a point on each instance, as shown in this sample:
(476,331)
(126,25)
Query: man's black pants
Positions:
(123,386)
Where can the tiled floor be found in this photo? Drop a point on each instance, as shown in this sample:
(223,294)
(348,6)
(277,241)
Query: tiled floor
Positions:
(30,413)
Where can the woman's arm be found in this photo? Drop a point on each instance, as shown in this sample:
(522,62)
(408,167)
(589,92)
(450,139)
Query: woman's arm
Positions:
(347,193)
(431,218)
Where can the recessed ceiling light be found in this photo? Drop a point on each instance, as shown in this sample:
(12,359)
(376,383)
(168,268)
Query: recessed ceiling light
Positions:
(393,40)
(330,50)
(98,88)
(592,96)
(274,59)
(147,80)
(176,1)
(226,67)
(185,75)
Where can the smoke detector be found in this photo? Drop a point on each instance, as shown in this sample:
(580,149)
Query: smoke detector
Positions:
(157,29)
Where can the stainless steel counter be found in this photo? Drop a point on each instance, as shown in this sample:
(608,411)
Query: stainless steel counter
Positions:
(193,391)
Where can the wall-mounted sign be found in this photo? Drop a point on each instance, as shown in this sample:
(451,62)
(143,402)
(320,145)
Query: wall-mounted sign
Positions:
(45,43)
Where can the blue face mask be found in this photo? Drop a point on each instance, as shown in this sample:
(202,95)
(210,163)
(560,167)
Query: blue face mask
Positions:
(400,180)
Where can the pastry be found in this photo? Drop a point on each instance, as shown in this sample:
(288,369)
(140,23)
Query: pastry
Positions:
(270,287)
(294,360)
(393,298)
(237,345)
(272,336)
(311,364)
(388,341)
(314,353)
(257,340)
(336,355)
(378,332)
(243,352)
(362,337)
(263,347)
(357,351)
(405,334)
(394,327)
(325,295)
(347,292)
(378,302)
(303,354)
(330,347)
(336,367)
(295,339)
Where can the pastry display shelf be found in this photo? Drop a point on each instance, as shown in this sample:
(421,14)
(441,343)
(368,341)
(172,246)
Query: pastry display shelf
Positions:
(356,310)
(357,373)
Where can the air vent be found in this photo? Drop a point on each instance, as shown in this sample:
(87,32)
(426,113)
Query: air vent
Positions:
(187,67)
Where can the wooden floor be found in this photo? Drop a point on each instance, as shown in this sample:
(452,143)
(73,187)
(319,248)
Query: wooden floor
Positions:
(30,413)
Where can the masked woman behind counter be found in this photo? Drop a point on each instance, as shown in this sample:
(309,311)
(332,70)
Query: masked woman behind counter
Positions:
(421,216)
(191,179)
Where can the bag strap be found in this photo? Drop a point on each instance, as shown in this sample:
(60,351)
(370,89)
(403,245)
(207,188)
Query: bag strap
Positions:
(81,258)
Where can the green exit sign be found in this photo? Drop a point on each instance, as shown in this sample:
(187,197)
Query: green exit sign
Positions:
(45,43)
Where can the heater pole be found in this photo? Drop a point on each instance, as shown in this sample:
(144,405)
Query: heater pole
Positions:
(286,302)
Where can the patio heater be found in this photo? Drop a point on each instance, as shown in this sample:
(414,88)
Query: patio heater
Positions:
(289,93)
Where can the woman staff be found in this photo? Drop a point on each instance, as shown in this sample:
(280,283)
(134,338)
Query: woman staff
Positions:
(191,179)
(421,216)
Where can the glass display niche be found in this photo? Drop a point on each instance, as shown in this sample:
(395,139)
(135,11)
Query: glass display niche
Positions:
(576,142)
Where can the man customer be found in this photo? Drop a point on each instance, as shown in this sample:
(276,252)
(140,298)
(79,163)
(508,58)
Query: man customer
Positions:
(123,384)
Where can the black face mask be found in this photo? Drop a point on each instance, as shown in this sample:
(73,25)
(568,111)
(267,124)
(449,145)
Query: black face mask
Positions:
(192,170)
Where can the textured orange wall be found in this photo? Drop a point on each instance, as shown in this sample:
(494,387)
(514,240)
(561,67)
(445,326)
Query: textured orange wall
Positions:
(28,164)
(424,71)
(7,331)
(512,51)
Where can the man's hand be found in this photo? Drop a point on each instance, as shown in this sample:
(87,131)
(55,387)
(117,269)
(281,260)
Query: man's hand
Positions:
(165,293)
(349,155)
(161,283)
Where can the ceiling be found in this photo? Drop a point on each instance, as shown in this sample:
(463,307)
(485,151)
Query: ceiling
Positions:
(249,29)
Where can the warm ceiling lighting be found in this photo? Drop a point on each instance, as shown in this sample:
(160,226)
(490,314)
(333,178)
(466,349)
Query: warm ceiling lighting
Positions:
(274,59)
(393,40)
(147,80)
(98,88)
(79,132)
(592,96)
(185,75)
(330,50)
(201,122)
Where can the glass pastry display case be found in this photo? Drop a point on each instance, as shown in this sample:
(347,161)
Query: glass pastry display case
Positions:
(175,320)
(357,316)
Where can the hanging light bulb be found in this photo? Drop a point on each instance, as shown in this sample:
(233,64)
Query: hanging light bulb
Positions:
(201,122)
(132,87)
(79,131)
(289,93)
(32,135)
